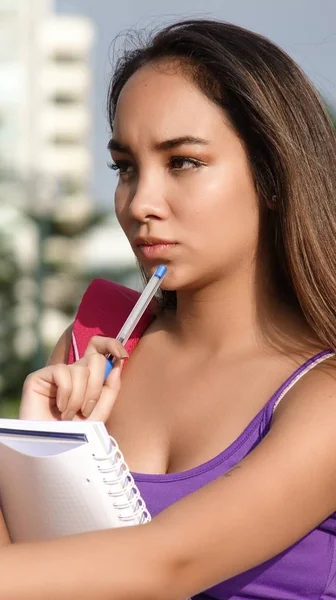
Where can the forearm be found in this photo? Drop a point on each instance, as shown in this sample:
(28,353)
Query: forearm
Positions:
(122,564)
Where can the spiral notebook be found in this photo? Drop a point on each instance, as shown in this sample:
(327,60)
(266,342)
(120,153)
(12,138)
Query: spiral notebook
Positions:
(64,477)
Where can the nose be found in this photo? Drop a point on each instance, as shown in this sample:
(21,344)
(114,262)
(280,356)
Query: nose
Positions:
(147,200)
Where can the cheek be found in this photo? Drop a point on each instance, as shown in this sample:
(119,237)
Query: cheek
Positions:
(120,207)
(222,192)
(224,209)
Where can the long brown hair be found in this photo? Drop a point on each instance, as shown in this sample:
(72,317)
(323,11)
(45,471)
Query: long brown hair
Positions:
(290,141)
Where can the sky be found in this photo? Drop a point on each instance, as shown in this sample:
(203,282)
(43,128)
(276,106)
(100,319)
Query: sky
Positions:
(306,29)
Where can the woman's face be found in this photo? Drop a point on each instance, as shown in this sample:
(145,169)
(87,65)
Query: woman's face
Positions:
(185,196)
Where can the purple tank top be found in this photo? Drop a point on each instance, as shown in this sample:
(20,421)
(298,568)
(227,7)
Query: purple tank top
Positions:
(306,570)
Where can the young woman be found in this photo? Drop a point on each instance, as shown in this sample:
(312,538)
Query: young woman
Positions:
(226,409)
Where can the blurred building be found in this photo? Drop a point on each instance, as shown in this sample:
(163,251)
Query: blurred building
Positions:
(104,251)
(45,93)
(45,155)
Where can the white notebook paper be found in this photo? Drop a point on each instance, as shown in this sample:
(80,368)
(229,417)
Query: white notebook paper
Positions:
(64,477)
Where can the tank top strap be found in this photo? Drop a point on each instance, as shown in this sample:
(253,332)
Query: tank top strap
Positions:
(309,364)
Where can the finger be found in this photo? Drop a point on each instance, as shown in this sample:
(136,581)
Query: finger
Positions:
(108,396)
(42,390)
(105,346)
(96,365)
(63,381)
(79,377)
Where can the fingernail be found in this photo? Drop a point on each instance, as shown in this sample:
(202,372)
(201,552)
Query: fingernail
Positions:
(68,416)
(87,410)
(61,404)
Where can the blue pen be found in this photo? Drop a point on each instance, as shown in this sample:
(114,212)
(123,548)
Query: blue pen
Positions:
(137,312)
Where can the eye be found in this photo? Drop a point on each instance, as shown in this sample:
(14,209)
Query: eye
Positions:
(184,163)
(123,167)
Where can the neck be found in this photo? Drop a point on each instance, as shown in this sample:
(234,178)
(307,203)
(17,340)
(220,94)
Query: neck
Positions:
(237,315)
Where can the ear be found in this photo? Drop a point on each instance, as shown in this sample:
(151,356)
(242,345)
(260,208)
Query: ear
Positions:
(272,202)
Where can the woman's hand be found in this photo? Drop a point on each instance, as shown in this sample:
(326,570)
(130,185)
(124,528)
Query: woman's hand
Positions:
(76,391)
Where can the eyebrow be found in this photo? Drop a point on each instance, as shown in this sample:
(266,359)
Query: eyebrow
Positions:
(164,145)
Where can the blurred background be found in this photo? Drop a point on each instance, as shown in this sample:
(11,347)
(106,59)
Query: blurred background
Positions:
(57,226)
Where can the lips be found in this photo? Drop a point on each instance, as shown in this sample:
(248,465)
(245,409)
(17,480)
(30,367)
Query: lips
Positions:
(151,247)
(151,241)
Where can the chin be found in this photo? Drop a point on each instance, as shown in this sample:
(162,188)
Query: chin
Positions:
(174,280)
(176,283)
(168,286)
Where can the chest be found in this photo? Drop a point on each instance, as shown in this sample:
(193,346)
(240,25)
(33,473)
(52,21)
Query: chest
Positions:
(177,411)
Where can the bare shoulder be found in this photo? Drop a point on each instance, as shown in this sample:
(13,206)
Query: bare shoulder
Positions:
(306,418)
(61,350)
(314,393)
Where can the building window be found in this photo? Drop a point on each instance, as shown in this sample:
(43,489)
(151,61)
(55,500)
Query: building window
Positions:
(65,99)
(64,140)
(67,58)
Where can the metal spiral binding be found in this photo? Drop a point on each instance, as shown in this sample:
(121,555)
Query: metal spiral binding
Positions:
(128,487)
(125,494)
